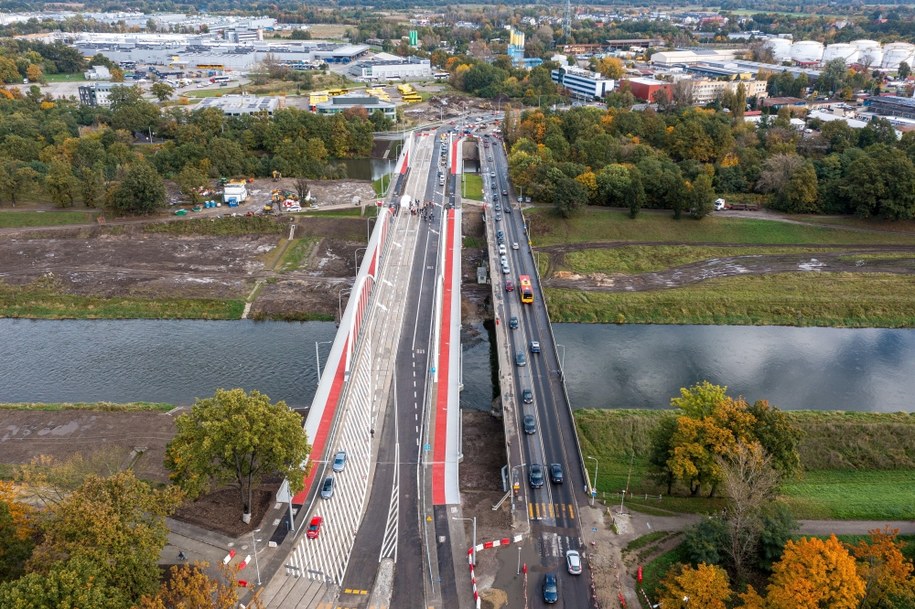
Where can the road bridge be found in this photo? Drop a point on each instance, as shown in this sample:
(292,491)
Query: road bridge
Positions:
(391,534)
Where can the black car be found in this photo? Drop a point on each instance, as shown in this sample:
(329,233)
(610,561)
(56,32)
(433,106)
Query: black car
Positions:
(556,473)
(520,360)
(529,424)
(535,476)
(527,396)
(550,589)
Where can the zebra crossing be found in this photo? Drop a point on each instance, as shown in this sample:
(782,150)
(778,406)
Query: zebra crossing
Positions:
(554,545)
(551,511)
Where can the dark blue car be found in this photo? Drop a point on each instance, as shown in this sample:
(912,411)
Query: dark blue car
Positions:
(550,588)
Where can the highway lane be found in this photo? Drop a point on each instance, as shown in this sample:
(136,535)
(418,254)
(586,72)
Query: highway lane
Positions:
(552,510)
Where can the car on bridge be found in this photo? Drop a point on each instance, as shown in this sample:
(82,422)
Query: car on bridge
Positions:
(509,285)
(513,322)
(527,396)
(514,245)
(520,360)
(529,423)
(535,346)
(550,589)
(327,489)
(314,527)
(535,476)
(573,562)
(339,461)
(556,473)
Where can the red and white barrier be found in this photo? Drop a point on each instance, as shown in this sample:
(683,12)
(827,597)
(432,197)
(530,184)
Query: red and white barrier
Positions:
(505,541)
(244,563)
(229,557)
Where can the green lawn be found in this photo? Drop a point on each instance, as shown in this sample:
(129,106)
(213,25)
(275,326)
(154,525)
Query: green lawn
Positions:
(64,77)
(596,225)
(859,484)
(94,406)
(27,219)
(473,186)
(633,259)
(850,300)
(296,254)
(853,495)
(212,92)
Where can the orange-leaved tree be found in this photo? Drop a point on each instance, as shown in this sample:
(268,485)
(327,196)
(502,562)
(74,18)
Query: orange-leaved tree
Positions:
(888,575)
(815,574)
(704,586)
(189,587)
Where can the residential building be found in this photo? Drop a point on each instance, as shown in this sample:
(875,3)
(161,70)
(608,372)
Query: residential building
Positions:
(96,94)
(340,103)
(97,73)
(705,91)
(582,83)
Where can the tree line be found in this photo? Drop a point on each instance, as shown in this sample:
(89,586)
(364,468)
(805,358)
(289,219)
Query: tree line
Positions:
(72,153)
(681,159)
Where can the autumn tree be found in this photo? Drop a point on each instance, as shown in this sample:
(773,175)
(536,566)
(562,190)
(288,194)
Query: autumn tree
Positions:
(61,184)
(162,90)
(815,574)
(142,190)
(609,67)
(704,586)
(16,532)
(189,587)
(116,524)
(888,576)
(237,437)
(75,583)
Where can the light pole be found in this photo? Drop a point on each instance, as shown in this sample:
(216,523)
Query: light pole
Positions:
(474,553)
(318,357)
(519,560)
(340,303)
(562,361)
(622,498)
(520,195)
(594,484)
(257,566)
(356,253)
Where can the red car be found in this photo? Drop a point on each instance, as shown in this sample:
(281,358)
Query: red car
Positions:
(509,286)
(314,527)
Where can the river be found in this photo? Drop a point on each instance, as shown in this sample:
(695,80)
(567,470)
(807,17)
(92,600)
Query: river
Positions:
(606,366)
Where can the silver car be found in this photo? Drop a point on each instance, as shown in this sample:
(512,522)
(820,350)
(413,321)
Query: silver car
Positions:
(327,489)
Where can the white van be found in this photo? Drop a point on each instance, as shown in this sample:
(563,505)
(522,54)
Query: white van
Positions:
(720,205)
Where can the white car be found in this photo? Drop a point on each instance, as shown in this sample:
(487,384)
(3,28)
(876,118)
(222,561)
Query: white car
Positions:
(573,562)
(514,245)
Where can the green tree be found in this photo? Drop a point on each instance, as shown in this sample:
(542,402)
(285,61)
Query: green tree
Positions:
(65,584)
(904,70)
(192,178)
(15,548)
(237,437)
(833,77)
(570,195)
(140,192)
(61,184)
(706,540)
(701,196)
(115,523)
(9,73)
(15,178)
(162,91)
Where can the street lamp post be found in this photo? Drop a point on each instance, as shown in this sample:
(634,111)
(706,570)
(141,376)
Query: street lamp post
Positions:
(474,553)
(562,358)
(519,560)
(257,566)
(340,302)
(318,357)
(594,484)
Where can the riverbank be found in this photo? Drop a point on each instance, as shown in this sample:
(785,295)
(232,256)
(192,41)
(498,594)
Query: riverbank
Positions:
(855,465)
(757,268)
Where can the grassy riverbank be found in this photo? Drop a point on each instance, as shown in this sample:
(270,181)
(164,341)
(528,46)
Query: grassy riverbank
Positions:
(850,300)
(41,300)
(856,465)
(36,219)
(88,406)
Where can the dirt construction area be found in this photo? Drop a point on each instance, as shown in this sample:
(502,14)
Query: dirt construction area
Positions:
(294,279)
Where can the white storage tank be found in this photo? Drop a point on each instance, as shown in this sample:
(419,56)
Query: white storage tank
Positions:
(781,48)
(895,53)
(846,52)
(870,52)
(807,51)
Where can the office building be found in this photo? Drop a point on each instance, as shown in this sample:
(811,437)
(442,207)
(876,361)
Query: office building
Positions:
(582,83)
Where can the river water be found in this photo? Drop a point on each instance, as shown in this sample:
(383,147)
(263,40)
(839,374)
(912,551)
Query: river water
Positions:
(606,366)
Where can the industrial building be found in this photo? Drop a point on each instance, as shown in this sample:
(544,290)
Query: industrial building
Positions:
(645,89)
(891,105)
(240,105)
(96,94)
(706,91)
(340,103)
(582,83)
(384,66)
(671,59)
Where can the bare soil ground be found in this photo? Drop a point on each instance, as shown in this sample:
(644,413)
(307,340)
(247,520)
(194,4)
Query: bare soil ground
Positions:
(480,472)
(476,299)
(120,259)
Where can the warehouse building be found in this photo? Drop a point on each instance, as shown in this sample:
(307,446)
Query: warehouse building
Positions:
(385,66)
(240,105)
(340,103)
